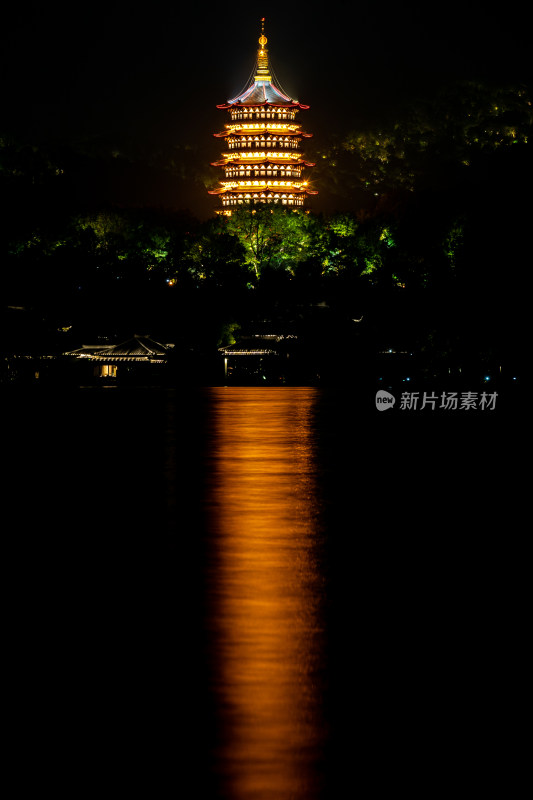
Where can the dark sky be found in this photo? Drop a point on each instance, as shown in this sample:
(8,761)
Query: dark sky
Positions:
(143,81)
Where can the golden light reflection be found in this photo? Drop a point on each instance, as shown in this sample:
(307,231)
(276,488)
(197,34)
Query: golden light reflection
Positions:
(265,593)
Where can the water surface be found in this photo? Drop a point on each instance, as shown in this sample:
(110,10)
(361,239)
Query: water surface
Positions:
(265,592)
(256,592)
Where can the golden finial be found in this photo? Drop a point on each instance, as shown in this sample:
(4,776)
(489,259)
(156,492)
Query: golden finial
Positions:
(262,39)
(262,57)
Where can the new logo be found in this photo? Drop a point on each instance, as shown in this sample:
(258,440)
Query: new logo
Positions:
(384,400)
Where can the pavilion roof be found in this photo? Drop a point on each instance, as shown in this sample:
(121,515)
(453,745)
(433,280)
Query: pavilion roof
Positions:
(251,346)
(138,348)
(265,343)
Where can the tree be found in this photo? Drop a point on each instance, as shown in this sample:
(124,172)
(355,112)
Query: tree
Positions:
(273,237)
(214,255)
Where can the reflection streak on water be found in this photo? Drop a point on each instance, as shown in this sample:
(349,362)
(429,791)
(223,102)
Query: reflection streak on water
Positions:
(265,592)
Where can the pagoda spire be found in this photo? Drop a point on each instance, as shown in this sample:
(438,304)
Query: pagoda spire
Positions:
(263,70)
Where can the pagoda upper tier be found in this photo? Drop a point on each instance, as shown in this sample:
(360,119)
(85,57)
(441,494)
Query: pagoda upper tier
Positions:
(263,162)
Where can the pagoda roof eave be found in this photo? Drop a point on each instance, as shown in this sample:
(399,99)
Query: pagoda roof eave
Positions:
(263,131)
(262,93)
(300,162)
(268,190)
(263,103)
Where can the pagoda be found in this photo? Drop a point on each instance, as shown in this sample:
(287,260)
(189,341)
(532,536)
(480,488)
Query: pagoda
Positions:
(262,162)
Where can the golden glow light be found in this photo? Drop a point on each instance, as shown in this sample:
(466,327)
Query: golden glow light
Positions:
(263,154)
(262,184)
(265,592)
(263,131)
(262,126)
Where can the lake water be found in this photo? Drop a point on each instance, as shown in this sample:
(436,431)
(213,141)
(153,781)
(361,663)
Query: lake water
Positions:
(249,593)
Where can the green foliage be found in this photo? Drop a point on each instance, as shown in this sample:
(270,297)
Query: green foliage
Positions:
(214,254)
(454,242)
(27,162)
(228,330)
(333,242)
(108,227)
(434,141)
(272,237)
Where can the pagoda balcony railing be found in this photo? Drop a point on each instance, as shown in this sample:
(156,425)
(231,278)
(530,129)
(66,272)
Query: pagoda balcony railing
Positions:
(259,137)
(272,185)
(245,144)
(263,173)
(266,116)
(252,157)
(263,127)
(228,204)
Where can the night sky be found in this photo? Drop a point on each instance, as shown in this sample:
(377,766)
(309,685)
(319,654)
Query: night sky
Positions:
(140,83)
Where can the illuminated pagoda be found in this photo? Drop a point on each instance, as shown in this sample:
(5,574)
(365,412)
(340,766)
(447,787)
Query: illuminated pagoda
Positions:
(263,162)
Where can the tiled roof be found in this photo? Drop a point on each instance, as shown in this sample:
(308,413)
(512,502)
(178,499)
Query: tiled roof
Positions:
(138,348)
(255,345)
(262,93)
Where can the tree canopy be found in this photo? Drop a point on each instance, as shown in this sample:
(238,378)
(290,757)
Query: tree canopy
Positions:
(432,142)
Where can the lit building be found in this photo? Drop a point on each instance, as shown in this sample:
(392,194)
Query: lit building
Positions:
(262,162)
(129,354)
